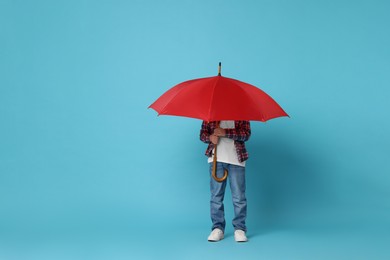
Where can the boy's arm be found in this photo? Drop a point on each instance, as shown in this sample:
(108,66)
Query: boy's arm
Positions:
(205,133)
(241,133)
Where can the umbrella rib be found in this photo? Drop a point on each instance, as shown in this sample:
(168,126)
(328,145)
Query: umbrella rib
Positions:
(177,93)
(212,97)
(252,99)
(263,119)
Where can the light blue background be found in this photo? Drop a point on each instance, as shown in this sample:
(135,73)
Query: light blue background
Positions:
(87,171)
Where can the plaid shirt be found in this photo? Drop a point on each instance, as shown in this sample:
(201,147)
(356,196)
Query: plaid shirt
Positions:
(240,134)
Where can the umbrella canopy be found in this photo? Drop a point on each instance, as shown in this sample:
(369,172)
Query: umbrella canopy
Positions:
(218,98)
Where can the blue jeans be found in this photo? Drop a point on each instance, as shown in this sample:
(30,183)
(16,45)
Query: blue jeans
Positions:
(236,179)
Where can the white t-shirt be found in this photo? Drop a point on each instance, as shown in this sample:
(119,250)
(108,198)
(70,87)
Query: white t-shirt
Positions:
(226,150)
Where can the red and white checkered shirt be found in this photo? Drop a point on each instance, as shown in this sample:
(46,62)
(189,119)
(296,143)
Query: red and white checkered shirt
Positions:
(240,134)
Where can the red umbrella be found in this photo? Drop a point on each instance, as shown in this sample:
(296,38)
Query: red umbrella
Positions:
(218,98)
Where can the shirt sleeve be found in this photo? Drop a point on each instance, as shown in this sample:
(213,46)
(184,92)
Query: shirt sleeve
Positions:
(241,133)
(205,133)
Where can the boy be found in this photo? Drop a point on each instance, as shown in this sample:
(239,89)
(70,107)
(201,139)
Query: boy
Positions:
(230,138)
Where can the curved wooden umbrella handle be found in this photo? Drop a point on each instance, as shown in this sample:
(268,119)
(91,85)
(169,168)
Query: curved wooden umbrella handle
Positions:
(214,171)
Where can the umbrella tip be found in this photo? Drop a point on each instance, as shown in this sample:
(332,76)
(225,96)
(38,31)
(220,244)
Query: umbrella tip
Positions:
(219,69)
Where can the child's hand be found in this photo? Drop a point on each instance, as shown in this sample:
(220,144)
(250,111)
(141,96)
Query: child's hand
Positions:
(214,139)
(219,132)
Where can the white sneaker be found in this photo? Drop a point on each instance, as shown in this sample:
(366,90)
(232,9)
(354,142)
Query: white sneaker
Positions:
(239,236)
(215,235)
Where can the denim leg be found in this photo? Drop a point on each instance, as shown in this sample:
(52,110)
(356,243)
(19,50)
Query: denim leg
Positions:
(217,195)
(237,187)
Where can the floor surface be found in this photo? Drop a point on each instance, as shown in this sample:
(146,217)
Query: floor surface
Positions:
(191,243)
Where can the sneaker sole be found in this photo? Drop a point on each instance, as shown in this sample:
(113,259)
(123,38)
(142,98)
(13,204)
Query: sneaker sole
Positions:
(214,240)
